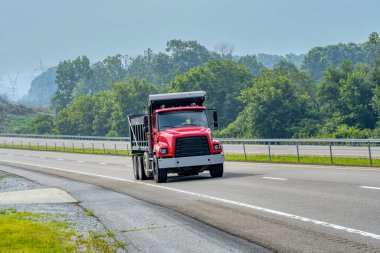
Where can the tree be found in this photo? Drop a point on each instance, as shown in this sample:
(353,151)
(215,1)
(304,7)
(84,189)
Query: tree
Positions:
(69,74)
(41,124)
(129,97)
(225,50)
(251,62)
(275,108)
(222,81)
(186,54)
(346,97)
(103,109)
(374,39)
(78,117)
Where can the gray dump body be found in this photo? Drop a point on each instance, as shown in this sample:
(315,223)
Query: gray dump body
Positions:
(137,126)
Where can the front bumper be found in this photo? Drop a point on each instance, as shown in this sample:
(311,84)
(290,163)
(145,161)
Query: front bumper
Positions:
(203,160)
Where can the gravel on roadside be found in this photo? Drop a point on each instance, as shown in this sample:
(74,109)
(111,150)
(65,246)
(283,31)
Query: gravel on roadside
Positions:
(80,219)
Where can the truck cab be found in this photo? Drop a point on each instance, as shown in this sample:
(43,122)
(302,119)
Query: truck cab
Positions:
(174,136)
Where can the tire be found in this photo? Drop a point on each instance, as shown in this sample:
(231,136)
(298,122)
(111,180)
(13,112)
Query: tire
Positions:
(160,175)
(148,166)
(140,166)
(216,170)
(134,165)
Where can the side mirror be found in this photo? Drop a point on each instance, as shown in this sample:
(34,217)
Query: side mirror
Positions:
(215,117)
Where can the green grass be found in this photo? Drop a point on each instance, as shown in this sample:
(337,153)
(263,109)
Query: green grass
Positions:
(324,160)
(28,232)
(348,161)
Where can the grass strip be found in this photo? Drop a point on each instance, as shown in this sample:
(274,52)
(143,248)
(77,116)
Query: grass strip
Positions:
(33,232)
(322,160)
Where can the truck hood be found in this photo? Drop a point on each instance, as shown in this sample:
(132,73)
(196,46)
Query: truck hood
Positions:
(186,131)
(169,136)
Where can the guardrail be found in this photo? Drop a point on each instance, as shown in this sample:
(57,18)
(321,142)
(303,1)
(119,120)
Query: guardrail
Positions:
(65,137)
(266,149)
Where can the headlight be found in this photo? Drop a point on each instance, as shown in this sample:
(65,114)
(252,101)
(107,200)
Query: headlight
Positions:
(163,151)
(216,146)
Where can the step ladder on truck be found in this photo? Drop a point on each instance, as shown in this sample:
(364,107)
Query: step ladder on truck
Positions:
(174,136)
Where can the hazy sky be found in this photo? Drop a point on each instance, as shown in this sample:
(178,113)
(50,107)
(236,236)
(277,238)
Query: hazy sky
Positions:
(52,30)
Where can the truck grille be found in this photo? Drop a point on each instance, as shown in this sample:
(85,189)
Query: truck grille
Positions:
(191,146)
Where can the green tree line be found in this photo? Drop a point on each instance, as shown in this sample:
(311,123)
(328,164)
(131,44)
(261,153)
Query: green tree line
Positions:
(335,93)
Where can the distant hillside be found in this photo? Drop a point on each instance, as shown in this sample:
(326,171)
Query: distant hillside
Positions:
(13,117)
(41,89)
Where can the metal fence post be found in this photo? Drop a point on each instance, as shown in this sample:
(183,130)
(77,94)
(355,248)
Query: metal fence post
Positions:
(331,155)
(45,145)
(115,149)
(73,146)
(298,153)
(245,154)
(82,147)
(104,149)
(13,145)
(21,145)
(93,149)
(64,147)
(370,154)
(270,156)
(38,145)
(30,146)
(55,146)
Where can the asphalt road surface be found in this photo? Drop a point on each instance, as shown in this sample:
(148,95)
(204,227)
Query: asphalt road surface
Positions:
(306,150)
(285,208)
(138,225)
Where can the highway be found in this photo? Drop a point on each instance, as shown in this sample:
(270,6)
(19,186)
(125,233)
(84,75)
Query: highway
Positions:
(282,207)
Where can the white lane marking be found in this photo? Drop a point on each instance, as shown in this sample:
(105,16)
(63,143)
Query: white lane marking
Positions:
(103,163)
(80,161)
(275,178)
(128,165)
(10,154)
(60,159)
(370,187)
(42,157)
(266,210)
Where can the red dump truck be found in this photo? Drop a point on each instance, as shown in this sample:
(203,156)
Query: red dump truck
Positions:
(174,136)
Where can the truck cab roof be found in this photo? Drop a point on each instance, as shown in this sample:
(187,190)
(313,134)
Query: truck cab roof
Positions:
(191,98)
(182,108)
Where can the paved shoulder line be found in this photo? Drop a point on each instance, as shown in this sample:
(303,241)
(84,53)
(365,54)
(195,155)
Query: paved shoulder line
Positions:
(236,203)
(370,187)
(275,178)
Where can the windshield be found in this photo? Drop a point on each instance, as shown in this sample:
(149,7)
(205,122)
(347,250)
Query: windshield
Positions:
(181,119)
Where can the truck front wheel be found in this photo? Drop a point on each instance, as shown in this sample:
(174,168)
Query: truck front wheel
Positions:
(160,175)
(216,170)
